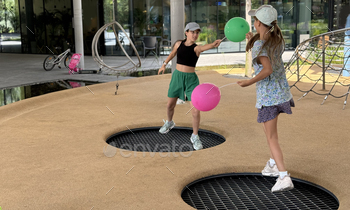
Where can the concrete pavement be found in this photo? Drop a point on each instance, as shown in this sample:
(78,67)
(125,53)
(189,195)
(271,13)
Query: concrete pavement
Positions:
(27,69)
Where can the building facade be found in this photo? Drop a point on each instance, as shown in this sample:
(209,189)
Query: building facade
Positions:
(39,26)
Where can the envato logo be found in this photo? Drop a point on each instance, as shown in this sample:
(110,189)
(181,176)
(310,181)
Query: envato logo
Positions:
(164,150)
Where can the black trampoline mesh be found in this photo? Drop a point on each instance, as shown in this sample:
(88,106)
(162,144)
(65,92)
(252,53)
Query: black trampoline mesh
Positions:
(150,140)
(253,191)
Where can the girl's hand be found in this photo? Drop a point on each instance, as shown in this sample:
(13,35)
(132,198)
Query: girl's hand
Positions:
(244,83)
(199,49)
(161,70)
(249,35)
(216,43)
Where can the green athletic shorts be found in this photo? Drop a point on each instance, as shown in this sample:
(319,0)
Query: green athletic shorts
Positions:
(182,83)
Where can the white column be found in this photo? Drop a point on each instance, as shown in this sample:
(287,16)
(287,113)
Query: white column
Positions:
(78,30)
(248,61)
(177,21)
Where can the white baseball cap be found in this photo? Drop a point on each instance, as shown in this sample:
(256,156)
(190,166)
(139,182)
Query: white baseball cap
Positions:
(192,26)
(265,14)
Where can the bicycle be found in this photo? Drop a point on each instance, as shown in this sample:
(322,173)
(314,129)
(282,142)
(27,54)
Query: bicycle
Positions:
(53,60)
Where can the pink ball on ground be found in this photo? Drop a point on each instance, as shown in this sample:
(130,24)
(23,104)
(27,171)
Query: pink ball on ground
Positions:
(206,97)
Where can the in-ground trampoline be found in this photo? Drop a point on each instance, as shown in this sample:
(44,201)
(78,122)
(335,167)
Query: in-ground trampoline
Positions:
(150,140)
(225,191)
(253,191)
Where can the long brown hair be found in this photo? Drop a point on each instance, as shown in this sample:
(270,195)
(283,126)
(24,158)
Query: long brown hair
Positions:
(274,41)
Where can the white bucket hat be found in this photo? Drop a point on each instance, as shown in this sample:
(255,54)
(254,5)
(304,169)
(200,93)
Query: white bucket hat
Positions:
(265,14)
(192,26)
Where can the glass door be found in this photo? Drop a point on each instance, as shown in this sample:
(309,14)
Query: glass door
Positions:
(10,37)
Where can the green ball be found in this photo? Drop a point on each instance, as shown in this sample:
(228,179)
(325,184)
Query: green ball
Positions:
(236,29)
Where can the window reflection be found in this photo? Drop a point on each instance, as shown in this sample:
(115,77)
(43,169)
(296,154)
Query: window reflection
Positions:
(45,25)
(117,11)
(33,26)
(148,18)
(139,19)
(58,24)
(11,95)
(90,23)
(342,12)
(10,38)
(212,16)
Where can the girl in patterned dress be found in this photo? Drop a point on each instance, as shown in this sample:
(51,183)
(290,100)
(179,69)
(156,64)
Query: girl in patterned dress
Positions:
(272,89)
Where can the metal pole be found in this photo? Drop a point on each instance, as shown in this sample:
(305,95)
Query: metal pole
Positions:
(0,43)
(298,71)
(113,11)
(177,21)
(78,30)
(116,34)
(323,63)
(248,63)
(217,22)
(5,11)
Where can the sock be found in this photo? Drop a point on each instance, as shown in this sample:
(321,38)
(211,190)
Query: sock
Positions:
(283,174)
(194,135)
(272,162)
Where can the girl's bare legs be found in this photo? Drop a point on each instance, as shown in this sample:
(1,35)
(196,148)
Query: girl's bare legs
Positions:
(197,144)
(170,108)
(196,117)
(270,128)
(271,156)
(284,181)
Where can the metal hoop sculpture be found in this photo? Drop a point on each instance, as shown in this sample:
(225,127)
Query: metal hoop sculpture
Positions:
(115,68)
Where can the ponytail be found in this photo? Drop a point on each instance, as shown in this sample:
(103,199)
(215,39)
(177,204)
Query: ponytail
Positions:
(274,42)
(251,42)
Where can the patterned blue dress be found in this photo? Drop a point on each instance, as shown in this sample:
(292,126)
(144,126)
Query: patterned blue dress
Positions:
(272,93)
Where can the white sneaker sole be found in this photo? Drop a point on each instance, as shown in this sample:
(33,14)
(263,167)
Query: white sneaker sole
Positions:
(167,131)
(198,148)
(270,174)
(284,189)
(194,147)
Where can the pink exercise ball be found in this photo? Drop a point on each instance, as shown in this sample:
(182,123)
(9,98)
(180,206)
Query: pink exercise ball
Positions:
(205,97)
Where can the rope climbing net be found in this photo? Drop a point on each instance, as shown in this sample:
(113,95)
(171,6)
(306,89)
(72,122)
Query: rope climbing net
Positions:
(322,59)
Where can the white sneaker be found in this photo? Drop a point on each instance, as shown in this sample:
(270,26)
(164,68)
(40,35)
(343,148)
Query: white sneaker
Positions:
(197,144)
(270,171)
(283,184)
(166,127)
(180,101)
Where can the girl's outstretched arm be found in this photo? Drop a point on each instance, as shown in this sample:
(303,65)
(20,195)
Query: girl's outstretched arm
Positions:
(170,57)
(265,72)
(203,48)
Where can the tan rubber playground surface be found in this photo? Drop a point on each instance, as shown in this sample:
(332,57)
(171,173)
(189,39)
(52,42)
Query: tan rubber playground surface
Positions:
(52,146)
